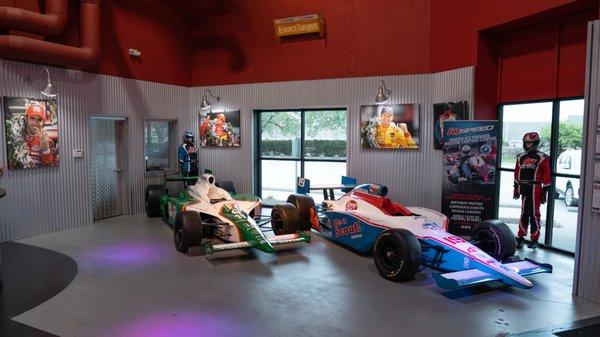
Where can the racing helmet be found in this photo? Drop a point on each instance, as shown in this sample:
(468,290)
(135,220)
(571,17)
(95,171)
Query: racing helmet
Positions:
(188,136)
(532,138)
(485,149)
(465,151)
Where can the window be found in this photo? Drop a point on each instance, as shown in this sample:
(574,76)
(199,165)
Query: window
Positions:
(560,125)
(299,143)
(160,145)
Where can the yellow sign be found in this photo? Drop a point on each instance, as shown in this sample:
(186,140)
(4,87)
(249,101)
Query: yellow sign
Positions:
(298,25)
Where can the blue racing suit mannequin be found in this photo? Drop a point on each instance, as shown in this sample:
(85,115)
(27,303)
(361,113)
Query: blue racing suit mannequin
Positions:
(188,158)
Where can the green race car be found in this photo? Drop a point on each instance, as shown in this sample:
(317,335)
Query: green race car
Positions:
(206,219)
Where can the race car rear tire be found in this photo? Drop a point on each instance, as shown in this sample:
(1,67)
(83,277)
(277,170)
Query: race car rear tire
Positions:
(285,219)
(303,204)
(187,230)
(397,255)
(495,238)
(152,200)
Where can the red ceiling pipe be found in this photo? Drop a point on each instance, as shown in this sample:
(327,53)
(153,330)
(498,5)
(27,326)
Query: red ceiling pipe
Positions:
(28,49)
(51,23)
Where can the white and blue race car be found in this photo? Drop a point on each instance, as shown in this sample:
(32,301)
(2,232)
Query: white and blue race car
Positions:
(404,238)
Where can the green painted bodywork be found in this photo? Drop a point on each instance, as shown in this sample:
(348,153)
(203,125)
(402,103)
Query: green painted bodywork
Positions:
(176,203)
(250,231)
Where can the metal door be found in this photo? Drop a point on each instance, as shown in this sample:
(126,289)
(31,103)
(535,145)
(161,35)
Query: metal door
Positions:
(107,163)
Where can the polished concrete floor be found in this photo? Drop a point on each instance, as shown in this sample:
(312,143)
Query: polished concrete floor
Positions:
(132,282)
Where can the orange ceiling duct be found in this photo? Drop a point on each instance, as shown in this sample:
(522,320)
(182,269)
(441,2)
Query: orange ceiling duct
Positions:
(51,23)
(28,49)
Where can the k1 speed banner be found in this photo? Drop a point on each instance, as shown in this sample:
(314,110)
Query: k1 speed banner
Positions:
(469,189)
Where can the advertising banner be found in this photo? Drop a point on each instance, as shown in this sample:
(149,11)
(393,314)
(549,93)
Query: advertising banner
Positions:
(469,164)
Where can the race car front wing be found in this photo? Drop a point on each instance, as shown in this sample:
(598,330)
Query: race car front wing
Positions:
(471,277)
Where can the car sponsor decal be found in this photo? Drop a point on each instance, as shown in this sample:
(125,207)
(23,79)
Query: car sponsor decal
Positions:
(430,226)
(341,227)
(351,205)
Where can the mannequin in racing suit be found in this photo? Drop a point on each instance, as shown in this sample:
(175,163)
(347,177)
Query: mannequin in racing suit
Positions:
(532,181)
(188,158)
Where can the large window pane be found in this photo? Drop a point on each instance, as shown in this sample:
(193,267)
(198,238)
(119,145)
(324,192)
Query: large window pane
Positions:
(510,209)
(325,134)
(278,180)
(570,137)
(518,119)
(159,145)
(564,228)
(280,134)
(324,173)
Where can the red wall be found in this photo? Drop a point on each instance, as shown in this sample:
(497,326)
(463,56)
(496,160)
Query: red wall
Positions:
(159,29)
(235,42)
(546,60)
(454,26)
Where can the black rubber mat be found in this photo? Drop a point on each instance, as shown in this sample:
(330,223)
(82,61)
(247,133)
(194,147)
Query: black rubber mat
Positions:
(30,276)
(587,331)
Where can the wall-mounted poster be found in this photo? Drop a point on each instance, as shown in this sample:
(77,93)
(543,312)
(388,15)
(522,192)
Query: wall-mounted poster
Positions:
(31,129)
(450,111)
(220,128)
(391,126)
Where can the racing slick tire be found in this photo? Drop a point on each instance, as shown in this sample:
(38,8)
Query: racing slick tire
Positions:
(187,230)
(152,200)
(303,204)
(285,219)
(397,255)
(495,238)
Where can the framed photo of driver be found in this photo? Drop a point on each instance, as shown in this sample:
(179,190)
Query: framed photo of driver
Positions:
(31,130)
(389,126)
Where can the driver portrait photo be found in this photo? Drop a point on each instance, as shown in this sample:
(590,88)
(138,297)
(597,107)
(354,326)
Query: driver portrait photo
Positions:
(390,126)
(220,129)
(31,129)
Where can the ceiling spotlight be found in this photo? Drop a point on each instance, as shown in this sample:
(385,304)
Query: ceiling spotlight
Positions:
(205,104)
(49,90)
(381,95)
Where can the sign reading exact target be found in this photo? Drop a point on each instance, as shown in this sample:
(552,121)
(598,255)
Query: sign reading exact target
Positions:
(298,25)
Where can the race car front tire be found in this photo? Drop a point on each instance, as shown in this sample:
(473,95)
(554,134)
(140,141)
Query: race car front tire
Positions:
(397,255)
(152,200)
(495,238)
(187,230)
(303,204)
(285,219)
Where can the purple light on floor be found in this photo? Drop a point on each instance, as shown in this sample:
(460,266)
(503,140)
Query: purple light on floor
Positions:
(182,324)
(129,253)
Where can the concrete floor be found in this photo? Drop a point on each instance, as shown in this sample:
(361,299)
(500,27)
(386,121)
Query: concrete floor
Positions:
(132,282)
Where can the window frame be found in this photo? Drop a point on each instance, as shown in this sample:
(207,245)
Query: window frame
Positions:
(554,164)
(302,158)
(173,145)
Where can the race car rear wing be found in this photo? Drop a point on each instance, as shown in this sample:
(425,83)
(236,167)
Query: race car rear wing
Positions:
(303,187)
(471,277)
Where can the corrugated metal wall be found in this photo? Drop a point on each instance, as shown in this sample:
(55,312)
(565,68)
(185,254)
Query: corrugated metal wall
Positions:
(45,200)
(587,252)
(415,177)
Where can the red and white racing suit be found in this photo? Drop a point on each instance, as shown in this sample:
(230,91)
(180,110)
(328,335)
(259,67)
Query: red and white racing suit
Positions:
(532,179)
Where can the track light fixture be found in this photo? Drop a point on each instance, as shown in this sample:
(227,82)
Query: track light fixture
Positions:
(49,90)
(381,94)
(205,104)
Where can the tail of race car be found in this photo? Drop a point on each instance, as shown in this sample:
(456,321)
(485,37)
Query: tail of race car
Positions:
(303,185)
(512,276)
